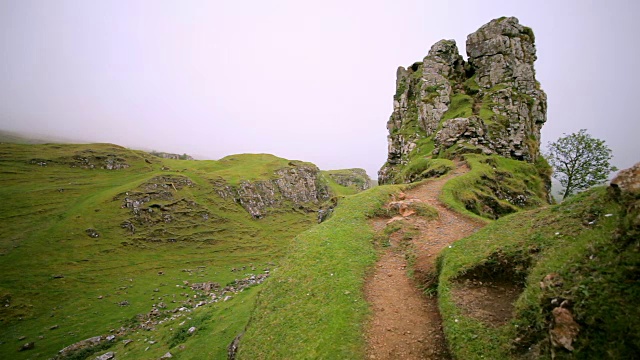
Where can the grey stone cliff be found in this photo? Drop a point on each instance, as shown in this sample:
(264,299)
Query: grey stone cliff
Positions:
(299,184)
(491,104)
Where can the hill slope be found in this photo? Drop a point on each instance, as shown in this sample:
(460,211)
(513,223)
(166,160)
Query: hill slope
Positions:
(99,240)
(571,270)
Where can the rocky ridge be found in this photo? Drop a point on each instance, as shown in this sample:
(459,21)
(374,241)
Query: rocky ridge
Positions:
(354,178)
(88,159)
(166,155)
(300,184)
(491,104)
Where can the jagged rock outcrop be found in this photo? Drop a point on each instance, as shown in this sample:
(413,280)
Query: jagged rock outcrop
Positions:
(87,159)
(491,104)
(158,206)
(354,178)
(299,184)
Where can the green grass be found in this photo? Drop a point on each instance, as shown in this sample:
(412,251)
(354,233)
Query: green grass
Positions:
(313,306)
(422,167)
(471,86)
(494,121)
(460,107)
(424,210)
(216,328)
(578,241)
(46,210)
(346,181)
(235,168)
(340,190)
(495,187)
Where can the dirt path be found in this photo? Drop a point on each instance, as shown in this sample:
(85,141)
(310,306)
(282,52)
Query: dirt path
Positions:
(406,324)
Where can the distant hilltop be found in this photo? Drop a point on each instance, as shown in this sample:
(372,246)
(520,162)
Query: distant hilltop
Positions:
(166,155)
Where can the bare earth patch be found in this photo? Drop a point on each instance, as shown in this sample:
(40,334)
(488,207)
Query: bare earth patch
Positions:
(489,302)
(405,323)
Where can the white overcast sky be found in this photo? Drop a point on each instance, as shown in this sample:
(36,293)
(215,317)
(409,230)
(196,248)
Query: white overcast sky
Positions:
(308,80)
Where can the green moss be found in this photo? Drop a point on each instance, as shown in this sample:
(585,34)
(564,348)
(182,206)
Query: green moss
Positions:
(486,113)
(528,32)
(458,150)
(486,109)
(421,168)
(471,87)
(402,87)
(461,106)
(433,88)
(417,74)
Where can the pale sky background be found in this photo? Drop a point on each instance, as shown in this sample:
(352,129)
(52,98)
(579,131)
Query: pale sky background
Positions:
(307,80)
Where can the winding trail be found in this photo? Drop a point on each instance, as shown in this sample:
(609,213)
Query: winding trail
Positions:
(405,324)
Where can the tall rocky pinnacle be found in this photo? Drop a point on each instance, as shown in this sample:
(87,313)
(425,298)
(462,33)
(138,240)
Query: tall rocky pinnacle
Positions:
(491,104)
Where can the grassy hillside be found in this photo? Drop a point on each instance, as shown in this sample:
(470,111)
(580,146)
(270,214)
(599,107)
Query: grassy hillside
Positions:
(497,186)
(21,138)
(79,259)
(577,260)
(347,181)
(313,307)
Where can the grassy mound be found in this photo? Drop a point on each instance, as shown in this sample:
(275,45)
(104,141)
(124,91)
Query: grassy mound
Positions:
(422,167)
(578,256)
(347,181)
(496,186)
(79,258)
(313,307)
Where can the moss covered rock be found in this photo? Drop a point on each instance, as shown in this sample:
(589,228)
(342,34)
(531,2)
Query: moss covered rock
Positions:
(492,104)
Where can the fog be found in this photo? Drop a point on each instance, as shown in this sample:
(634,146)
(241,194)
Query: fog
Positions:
(303,80)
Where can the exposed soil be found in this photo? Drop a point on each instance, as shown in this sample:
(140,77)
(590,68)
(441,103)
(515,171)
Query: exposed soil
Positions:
(489,302)
(405,323)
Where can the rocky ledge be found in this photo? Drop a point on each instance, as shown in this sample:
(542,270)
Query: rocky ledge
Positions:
(299,185)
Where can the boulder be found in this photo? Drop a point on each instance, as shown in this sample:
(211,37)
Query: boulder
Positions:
(106,356)
(564,329)
(627,181)
(27,346)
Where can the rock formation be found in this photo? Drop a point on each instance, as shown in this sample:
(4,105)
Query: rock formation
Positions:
(354,178)
(491,104)
(625,188)
(300,184)
(172,156)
